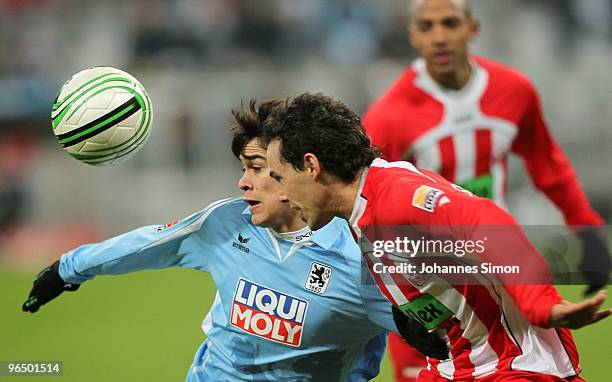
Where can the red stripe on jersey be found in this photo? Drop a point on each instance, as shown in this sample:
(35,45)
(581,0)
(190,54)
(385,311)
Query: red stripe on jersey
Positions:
(460,350)
(489,313)
(446,146)
(401,281)
(483,152)
(433,365)
(411,293)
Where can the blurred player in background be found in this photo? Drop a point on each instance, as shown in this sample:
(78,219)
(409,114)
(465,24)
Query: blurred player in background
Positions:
(461,115)
(290,304)
(321,156)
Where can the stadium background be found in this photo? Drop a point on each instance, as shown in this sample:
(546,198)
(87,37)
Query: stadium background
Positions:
(199,59)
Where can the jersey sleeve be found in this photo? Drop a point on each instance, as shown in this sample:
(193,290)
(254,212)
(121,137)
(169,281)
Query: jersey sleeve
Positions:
(149,247)
(459,215)
(549,168)
(378,307)
(473,218)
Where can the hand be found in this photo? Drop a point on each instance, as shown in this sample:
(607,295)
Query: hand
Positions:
(47,285)
(575,316)
(596,263)
(415,335)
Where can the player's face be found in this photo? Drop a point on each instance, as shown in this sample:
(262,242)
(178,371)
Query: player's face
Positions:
(440,30)
(304,193)
(268,205)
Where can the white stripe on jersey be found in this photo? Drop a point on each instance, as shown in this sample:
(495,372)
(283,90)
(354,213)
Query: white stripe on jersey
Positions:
(543,351)
(397,295)
(428,157)
(482,355)
(499,177)
(207,322)
(465,156)
(461,119)
(193,226)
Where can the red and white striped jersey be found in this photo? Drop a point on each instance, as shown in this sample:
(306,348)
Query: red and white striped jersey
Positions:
(467,134)
(489,327)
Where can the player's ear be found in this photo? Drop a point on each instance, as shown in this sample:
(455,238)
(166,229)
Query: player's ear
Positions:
(312,165)
(474,28)
(410,35)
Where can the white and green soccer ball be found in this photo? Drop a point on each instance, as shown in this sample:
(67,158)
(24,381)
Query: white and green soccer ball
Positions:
(102,116)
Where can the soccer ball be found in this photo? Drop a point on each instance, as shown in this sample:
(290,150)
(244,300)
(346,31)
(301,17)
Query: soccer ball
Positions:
(102,116)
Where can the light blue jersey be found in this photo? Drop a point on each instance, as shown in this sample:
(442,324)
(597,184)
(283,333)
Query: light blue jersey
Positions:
(289,307)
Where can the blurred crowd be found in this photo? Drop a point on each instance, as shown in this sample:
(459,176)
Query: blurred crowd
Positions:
(200,58)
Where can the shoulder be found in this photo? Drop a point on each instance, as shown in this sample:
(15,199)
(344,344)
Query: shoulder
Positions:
(504,76)
(227,209)
(403,194)
(338,236)
(399,93)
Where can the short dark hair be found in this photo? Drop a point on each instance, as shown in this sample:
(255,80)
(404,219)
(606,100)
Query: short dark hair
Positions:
(249,122)
(318,124)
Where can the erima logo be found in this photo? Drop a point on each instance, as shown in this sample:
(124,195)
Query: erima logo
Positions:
(242,240)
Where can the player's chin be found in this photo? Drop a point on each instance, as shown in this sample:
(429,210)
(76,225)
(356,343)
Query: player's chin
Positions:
(259,219)
(444,69)
(258,213)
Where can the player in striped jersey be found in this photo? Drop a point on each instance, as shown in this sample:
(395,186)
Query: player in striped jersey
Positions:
(321,156)
(461,116)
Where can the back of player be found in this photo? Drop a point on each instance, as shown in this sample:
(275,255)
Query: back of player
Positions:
(492,328)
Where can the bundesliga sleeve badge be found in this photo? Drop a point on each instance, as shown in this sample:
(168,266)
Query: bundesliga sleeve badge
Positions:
(426,198)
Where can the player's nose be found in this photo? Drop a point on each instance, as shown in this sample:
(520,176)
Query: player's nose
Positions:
(439,35)
(244,183)
(284,198)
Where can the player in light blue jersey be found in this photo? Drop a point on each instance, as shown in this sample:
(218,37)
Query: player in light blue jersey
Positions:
(291,304)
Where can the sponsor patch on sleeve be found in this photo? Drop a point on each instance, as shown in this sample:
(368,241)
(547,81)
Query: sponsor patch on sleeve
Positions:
(426,198)
(163,227)
(427,311)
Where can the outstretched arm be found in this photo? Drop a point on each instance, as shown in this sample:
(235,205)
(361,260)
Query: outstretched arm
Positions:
(576,315)
(150,247)
(552,173)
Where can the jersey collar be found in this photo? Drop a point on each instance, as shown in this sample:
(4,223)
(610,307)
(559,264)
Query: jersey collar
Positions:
(360,203)
(302,234)
(471,91)
(326,236)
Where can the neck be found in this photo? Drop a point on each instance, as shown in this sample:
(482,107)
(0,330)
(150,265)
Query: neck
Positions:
(453,80)
(291,225)
(343,196)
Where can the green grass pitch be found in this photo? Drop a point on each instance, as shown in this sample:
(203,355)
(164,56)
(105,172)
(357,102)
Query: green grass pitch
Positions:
(146,327)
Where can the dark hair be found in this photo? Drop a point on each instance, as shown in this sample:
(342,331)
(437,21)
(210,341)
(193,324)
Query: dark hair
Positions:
(249,122)
(315,123)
